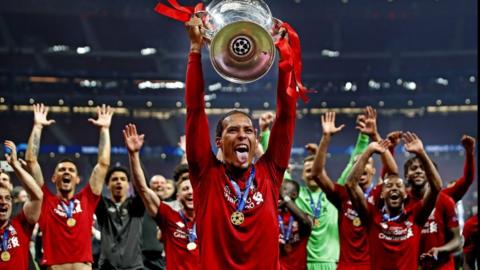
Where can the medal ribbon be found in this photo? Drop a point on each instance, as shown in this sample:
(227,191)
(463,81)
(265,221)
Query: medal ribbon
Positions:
(192,233)
(316,210)
(69,209)
(177,11)
(386,216)
(242,197)
(369,190)
(287,234)
(5,240)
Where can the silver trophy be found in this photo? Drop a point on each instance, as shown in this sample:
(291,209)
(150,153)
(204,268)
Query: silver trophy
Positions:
(241,38)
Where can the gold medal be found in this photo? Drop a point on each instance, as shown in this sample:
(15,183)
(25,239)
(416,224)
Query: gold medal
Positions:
(356,222)
(5,256)
(71,222)
(237,218)
(316,223)
(288,248)
(191,246)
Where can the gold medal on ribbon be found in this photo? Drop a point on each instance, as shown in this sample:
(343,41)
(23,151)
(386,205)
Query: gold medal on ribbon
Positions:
(288,248)
(71,222)
(237,218)
(191,246)
(316,223)
(356,222)
(5,256)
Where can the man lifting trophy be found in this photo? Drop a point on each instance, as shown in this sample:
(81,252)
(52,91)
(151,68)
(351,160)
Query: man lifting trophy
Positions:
(236,199)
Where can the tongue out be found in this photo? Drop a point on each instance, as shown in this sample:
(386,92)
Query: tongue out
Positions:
(242,156)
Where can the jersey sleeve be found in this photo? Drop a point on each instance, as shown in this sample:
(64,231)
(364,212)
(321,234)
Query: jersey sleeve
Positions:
(360,146)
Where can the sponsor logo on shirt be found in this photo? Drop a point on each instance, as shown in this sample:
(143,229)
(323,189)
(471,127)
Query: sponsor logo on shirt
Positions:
(431,225)
(396,233)
(255,197)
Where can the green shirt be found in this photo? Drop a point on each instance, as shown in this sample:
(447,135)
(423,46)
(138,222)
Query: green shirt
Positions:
(323,244)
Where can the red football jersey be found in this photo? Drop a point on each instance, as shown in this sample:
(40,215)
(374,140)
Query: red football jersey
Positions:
(62,243)
(19,233)
(354,250)
(293,255)
(175,239)
(253,244)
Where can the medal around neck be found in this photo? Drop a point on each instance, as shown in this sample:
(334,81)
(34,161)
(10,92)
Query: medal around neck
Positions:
(191,246)
(356,222)
(288,248)
(5,256)
(71,222)
(237,218)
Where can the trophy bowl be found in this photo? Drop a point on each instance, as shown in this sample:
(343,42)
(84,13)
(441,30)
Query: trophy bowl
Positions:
(240,35)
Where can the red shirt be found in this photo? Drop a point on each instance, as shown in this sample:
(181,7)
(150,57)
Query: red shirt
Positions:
(435,232)
(354,251)
(470,234)
(458,190)
(18,243)
(175,239)
(296,258)
(61,243)
(394,245)
(253,244)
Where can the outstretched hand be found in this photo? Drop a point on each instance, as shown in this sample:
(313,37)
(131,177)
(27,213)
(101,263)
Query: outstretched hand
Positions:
(328,124)
(379,147)
(40,113)
(367,123)
(133,141)
(104,119)
(413,144)
(395,137)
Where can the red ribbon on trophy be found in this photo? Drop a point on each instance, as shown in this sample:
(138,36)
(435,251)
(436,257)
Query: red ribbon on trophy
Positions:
(293,54)
(177,11)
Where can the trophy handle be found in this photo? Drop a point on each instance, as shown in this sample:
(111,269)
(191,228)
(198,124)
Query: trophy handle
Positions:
(277,24)
(206,29)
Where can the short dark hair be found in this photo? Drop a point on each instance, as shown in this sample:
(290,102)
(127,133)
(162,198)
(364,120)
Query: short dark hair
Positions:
(409,163)
(294,183)
(219,130)
(116,169)
(179,170)
(64,160)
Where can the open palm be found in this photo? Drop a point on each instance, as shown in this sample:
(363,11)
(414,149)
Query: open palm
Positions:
(328,124)
(413,144)
(40,113)
(133,141)
(104,119)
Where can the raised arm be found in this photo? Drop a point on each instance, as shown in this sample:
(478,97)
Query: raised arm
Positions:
(360,146)
(281,135)
(264,122)
(134,142)
(369,127)
(461,186)
(32,207)
(40,120)
(354,190)
(97,178)
(198,146)
(394,137)
(414,145)
(319,173)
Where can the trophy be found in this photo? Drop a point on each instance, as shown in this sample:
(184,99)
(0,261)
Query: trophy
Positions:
(241,36)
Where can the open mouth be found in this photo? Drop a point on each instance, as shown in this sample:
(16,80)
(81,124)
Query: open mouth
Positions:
(66,179)
(242,152)
(394,196)
(3,209)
